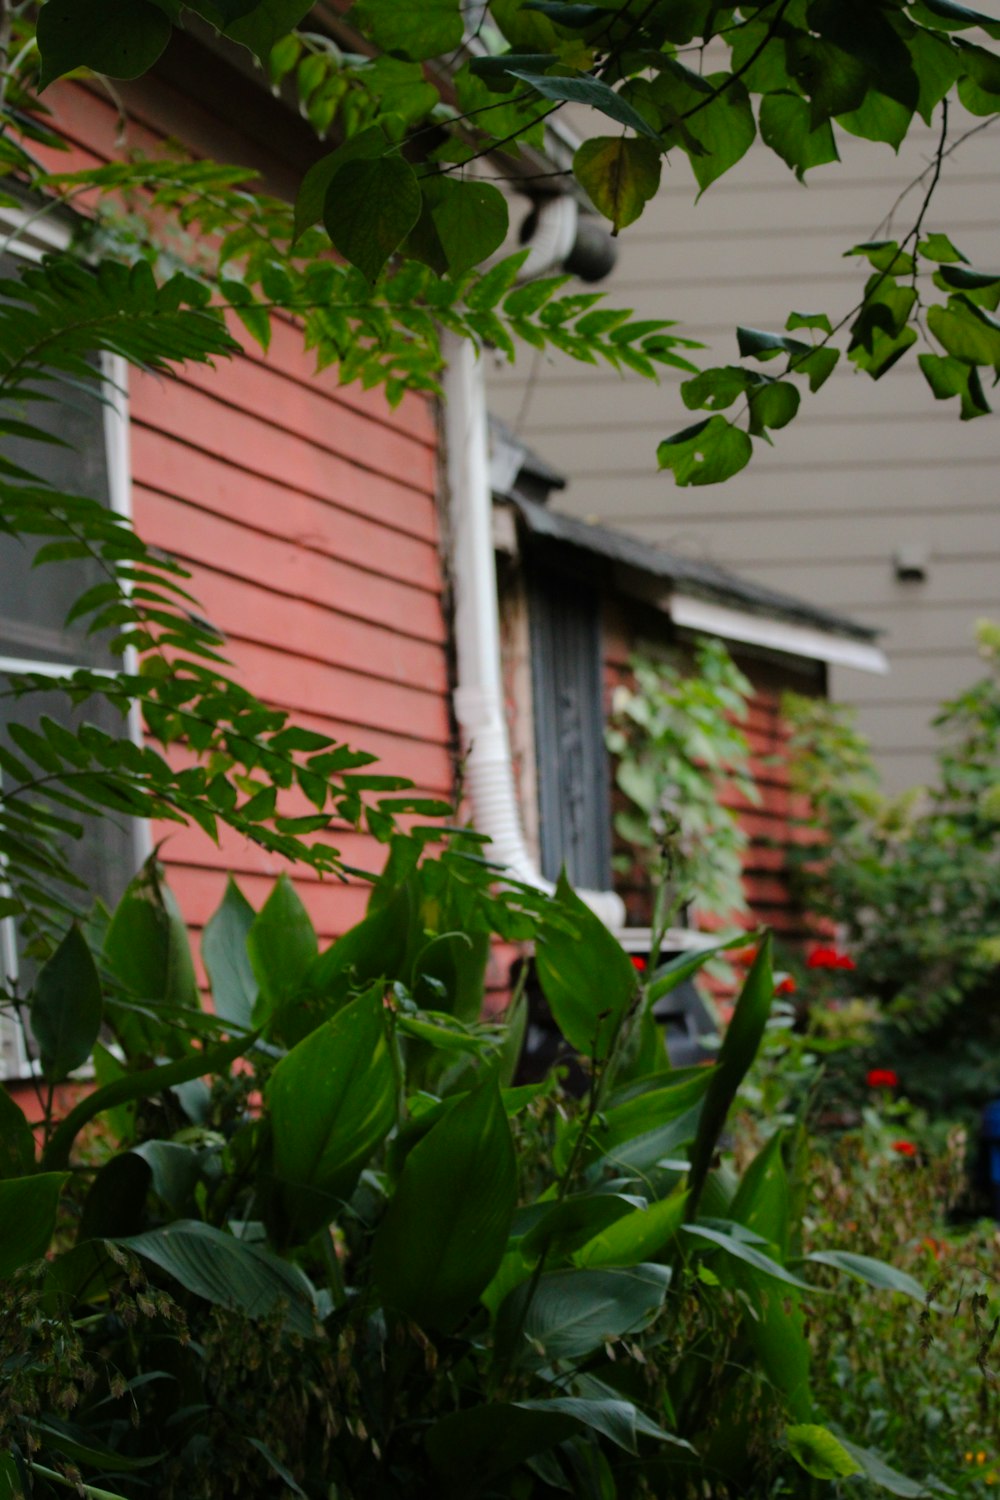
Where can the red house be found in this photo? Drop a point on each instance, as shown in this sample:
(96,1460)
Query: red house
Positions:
(345,550)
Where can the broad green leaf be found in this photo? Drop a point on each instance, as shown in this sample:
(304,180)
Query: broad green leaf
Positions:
(115,1203)
(706,453)
(948,376)
(140,1085)
(755,343)
(332,1100)
(416,29)
(471,1448)
(739,1048)
(786,127)
(589,91)
(966,278)
(761,1201)
(740,1250)
(460,225)
(877,1273)
(965,332)
(375,948)
(819,364)
(445,1230)
(176,1170)
(227,961)
(878,118)
(17,1141)
(281,945)
(708,117)
(365,145)
(66,1008)
(568,1314)
(637,1236)
(773,404)
(122,38)
(586,977)
(229,1272)
(816,1450)
(369,209)
(716,389)
(565,1226)
(685,965)
(875,1469)
(636,1119)
(27,1218)
(951,16)
(620,174)
(264,24)
(147,948)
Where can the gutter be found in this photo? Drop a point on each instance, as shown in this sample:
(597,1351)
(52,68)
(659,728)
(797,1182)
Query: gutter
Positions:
(478,698)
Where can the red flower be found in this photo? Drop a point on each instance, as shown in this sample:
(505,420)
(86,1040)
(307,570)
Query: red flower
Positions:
(905,1148)
(744,956)
(638,963)
(829,958)
(882,1078)
(786,986)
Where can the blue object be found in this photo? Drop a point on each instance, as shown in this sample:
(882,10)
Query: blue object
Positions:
(990,1135)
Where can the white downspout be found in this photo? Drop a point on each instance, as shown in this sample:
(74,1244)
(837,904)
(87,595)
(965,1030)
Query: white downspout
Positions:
(479,704)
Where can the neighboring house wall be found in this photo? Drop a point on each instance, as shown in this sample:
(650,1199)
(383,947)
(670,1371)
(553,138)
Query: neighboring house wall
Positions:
(864,471)
(307,514)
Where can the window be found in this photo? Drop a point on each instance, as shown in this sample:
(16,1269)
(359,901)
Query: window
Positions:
(34,602)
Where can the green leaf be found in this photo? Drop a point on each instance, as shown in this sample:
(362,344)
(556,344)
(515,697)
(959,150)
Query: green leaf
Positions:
(568,1314)
(875,1469)
(122,38)
(140,1085)
(878,118)
(365,145)
(739,1048)
(115,1204)
(416,29)
(17,1141)
(750,1255)
(876,1273)
(773,404)
(951,16)
(27,1218)
(369,209)
(965,332)
(706,453)
(445,1230)
(819,364)
(67,1007)
(460,225)
(332,1100)
(147,948)
(761,1202)
(754,343)
(229,1272)
(566,1226)
(816,1450)
(281,945)
(786,127)
(586,976)
(938,247)
(637,1236)
(948,376)
(475,1446)
(227,961)
(375,948)
(620,174)
(264,24)
(589,91)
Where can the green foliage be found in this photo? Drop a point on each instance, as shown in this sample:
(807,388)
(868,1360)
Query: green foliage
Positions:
(911,881)
(494,1289)
(677,743)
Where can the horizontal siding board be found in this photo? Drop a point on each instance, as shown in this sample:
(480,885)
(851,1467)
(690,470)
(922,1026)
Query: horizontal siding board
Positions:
(280,510)
(172,407)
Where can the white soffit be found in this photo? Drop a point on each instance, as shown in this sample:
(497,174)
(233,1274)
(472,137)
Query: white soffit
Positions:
(779,635)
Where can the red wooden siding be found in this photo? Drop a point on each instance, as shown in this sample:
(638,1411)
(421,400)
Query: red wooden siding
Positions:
(307,515)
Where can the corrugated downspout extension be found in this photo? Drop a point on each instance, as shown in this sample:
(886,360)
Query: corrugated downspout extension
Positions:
(479,705)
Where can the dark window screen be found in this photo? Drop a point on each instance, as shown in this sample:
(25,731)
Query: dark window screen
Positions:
(569,727)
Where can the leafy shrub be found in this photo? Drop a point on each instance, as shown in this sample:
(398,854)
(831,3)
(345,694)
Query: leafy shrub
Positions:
(366,1261)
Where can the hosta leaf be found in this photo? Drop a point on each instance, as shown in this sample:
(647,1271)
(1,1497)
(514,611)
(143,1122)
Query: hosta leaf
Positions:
(67,1007)
(445,1230)
(232,1273)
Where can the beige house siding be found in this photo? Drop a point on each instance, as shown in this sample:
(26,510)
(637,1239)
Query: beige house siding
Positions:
(866,469)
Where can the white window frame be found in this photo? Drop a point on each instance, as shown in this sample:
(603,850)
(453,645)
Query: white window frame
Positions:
(30,236)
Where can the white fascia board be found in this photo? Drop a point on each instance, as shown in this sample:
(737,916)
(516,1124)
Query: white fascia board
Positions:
(779,635)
